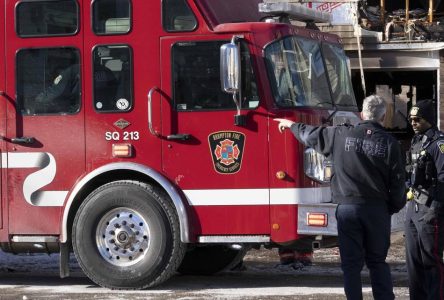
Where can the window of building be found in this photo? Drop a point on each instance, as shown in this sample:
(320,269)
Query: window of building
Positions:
(177,16)
(48,81)
(47,18)
(196,78)
(112,78)
(111,16)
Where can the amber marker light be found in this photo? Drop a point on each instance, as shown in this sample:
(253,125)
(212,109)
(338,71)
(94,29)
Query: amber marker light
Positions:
(317,219)
(122,150)
(280,175)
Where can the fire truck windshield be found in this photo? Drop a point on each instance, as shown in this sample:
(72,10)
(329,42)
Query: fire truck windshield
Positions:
(305,72)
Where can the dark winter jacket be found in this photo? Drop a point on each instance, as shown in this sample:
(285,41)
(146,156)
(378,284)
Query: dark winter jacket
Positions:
(432,143)
(368,166)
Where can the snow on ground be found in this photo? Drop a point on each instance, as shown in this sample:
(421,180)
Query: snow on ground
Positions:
(35,276)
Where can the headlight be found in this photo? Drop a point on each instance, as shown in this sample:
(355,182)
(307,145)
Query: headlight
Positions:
(317,166)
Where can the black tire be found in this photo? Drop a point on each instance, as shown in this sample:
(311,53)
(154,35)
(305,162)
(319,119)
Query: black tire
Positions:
(210,259)
(126,236)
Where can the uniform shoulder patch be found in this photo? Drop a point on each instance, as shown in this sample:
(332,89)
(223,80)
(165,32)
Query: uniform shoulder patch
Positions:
(441,146)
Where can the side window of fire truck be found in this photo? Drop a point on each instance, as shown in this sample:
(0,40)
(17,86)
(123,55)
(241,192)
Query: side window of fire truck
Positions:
(177,16)
(196,78)
(48,81)
(111,16)
(250,96)
(112,69)
(47,18)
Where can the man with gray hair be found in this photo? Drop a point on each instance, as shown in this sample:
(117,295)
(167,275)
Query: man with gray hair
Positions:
(368,184)
(373,108)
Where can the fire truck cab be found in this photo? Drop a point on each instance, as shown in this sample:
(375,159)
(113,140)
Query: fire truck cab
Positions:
(118,142)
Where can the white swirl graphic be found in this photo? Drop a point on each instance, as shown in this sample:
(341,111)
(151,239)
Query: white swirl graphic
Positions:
(37,180)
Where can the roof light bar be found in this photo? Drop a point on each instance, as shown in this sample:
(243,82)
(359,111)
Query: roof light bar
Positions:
(295,11)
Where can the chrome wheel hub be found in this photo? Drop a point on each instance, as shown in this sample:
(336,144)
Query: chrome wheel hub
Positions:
(123,237)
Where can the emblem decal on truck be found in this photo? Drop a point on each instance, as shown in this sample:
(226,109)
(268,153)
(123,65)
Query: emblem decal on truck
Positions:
(227,148)
(122,123)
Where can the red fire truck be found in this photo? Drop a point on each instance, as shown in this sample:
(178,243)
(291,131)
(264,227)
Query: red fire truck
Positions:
(120,144)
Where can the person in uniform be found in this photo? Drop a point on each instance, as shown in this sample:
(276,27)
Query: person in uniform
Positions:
(424,224)
(368,184)
(62,96)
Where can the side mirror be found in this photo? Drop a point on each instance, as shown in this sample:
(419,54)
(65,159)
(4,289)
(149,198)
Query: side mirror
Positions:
(230,76)
(230,68)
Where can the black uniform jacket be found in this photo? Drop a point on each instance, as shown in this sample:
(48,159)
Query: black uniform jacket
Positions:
(433,142)
(368,166)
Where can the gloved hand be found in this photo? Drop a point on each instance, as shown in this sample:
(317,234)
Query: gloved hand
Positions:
(410,195)
(430,216)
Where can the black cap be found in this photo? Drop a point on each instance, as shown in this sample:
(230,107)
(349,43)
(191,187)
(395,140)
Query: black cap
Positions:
(424,109)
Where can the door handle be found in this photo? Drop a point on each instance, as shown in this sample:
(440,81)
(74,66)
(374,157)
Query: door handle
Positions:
(179,136)
(19,140)
(23,140)
(150,111)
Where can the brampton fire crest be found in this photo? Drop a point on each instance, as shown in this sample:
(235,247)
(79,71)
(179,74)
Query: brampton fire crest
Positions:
(227,148)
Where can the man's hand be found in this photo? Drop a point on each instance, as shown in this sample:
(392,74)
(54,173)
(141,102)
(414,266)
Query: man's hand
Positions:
(283,124)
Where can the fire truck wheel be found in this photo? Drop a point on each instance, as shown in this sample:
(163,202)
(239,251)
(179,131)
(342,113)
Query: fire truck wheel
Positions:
(208,260)
(126,236)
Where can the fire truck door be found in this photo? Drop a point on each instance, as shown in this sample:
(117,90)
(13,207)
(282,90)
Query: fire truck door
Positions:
(222,168)
(45,118)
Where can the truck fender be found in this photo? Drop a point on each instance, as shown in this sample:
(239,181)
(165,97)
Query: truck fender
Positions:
(169,188)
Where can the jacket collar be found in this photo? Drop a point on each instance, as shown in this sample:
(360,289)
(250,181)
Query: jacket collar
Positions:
(372,123)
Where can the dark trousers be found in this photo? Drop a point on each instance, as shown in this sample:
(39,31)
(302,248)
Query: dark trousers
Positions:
(364,236)
(424,251)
